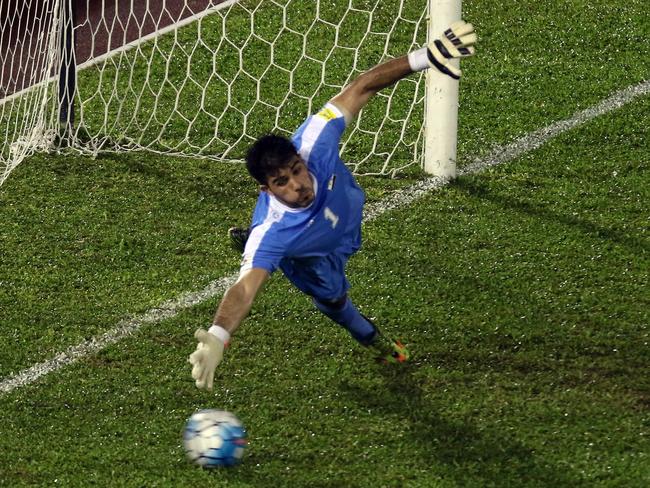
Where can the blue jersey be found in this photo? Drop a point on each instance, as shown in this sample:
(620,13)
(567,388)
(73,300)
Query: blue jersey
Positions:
(311,245)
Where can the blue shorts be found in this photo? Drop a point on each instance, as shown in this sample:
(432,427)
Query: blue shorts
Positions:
(322,277)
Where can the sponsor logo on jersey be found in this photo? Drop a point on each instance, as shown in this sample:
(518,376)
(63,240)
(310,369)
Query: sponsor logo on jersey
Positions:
(327,114)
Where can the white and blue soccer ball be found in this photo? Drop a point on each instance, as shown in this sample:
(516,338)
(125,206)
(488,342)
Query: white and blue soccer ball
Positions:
(214,438)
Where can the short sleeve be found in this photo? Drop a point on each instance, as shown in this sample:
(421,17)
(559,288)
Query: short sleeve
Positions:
(263,249)
(319,136)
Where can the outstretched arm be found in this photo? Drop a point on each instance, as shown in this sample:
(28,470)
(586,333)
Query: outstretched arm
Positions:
(238,299)
(456,42)
(233,309)
(355,96)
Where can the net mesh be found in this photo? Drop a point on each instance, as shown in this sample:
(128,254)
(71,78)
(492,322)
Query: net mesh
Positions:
(207,80)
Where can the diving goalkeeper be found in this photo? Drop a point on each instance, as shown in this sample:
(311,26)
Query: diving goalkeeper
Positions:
(307,221)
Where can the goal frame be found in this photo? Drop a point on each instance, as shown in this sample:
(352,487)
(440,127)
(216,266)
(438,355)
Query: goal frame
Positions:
(441,99)
(441,91)
(440,119)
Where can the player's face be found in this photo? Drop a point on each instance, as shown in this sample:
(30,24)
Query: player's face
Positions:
(292,185)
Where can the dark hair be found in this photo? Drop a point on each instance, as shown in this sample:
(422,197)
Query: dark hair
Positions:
(268,155)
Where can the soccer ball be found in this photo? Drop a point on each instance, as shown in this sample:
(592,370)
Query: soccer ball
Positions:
(214,438)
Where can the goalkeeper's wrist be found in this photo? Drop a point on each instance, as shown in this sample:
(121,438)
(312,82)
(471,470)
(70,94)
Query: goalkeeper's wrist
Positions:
(220,333)
(419,59)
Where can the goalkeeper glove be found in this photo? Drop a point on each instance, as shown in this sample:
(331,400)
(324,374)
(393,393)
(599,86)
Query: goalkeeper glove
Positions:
(208,355)
(457,42)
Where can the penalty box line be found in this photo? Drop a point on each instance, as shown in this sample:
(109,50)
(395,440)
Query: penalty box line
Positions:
(402,198)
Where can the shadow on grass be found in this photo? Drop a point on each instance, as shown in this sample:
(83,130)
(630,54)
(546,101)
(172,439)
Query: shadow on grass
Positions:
(212,181)
(459,449)
(479,190)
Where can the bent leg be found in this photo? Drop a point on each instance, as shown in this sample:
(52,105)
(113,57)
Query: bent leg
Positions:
(343,312)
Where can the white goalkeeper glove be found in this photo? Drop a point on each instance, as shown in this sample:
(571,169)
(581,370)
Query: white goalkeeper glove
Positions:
(456,42)
(208,355)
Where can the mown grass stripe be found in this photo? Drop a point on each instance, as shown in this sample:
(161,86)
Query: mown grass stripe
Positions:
(535,139)
(508,152)
(399,199)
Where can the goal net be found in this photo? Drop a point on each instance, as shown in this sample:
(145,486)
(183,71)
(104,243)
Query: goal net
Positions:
(204,78)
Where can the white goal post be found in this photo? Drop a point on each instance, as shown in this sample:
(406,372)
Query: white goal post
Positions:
(205,78)
(441,113)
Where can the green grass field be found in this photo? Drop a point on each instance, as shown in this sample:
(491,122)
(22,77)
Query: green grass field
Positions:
(522,292)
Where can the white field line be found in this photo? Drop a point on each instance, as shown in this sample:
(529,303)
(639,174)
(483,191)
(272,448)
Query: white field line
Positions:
(399,199)
(504,154)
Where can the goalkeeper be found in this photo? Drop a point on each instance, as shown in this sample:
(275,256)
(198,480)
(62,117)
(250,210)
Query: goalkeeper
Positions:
(307,221)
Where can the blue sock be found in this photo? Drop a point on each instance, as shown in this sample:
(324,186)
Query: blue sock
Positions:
(350,318)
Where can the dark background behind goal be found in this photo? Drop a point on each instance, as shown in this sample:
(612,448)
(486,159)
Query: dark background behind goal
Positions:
(101,26)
